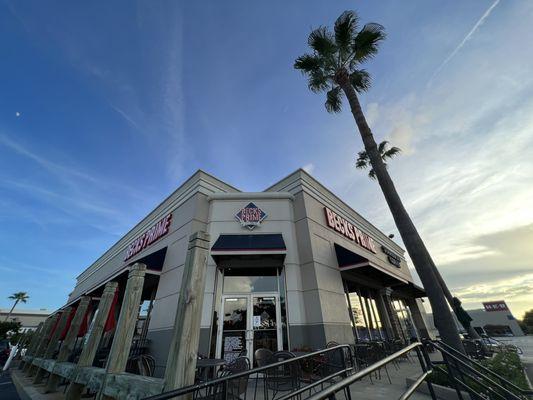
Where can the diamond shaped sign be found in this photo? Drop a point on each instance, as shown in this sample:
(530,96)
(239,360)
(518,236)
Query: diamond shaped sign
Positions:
(250,216)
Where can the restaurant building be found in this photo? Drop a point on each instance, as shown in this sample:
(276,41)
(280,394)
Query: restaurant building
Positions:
(292,267)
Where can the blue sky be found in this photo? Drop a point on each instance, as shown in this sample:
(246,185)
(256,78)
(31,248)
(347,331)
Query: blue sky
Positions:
(106,107)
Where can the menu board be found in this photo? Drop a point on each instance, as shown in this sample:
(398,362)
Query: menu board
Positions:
(233,345)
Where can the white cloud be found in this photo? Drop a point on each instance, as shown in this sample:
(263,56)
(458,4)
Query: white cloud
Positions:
(476,26)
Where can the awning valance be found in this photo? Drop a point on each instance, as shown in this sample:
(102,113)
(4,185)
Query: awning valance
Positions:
(354,266)
(262,243)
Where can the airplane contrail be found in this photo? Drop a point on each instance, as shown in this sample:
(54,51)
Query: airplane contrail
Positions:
(465,39)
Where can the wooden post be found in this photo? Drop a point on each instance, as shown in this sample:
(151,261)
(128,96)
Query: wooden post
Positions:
(68,344)
(31,346)
(91,345)
(52,344)
(181,362)
(43,341)
(120,348)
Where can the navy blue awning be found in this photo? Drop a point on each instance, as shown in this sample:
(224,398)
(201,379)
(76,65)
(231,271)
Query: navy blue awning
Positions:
(257,242)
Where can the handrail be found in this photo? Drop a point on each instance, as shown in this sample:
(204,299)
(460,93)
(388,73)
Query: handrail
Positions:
(337,387)
(502,343)
(312,385)
(192,388)
(415,385)
(458,355)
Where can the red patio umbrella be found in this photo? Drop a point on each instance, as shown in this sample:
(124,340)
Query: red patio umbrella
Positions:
(111,322)
(69,321)
(84,326)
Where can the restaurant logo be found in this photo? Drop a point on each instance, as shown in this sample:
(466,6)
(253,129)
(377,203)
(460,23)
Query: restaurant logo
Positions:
(250,216)
(495,306)
(393,258)
(347,229)
(151,235)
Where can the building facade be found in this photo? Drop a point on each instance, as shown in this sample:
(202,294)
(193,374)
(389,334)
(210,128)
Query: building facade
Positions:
(29,319)
(494,319)
(291,267)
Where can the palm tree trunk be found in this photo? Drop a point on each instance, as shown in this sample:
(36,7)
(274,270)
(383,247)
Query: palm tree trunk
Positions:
(11,311)
(413,242)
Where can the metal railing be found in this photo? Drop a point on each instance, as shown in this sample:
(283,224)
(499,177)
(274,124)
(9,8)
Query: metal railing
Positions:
(465,373)
(281,380)
(344,385)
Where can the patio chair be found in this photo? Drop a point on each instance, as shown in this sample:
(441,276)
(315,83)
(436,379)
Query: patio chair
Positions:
(235,388)
(376,353)
(262,357)
(283,378)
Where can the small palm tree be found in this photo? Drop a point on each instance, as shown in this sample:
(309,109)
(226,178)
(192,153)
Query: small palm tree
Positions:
(334,67)
(18,297)
(385,153)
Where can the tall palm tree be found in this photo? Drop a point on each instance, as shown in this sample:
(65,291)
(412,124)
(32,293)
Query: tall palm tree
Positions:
(363,161)
(18,297)
(334,66)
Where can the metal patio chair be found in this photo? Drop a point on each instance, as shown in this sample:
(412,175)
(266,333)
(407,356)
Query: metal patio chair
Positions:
(283,378)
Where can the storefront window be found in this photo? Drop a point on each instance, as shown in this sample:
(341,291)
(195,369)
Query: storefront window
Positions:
(359,319)
(406,323)
(250,280)
(365,315)
(378,326)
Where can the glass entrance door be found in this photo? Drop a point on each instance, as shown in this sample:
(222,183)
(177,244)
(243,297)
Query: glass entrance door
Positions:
(247,323)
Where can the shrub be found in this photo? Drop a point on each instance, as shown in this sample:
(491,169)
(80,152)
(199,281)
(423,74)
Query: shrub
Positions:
(505,364)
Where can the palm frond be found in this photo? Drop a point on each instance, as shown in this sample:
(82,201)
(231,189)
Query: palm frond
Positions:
(308,63)
(360,80)
(345,27)
(393,151)
(366,42)
(318,81)
(322,41)
(372,174)
(362,160)
(382,147)
(334,100)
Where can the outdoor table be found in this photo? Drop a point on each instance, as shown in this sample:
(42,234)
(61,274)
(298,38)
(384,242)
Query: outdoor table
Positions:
(204,365)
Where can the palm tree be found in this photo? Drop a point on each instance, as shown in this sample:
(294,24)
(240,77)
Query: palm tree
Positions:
(19,296)
(334,66)
(385,153)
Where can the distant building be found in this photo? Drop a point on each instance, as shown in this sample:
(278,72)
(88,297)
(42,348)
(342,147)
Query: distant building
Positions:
(494,319)
(29,319)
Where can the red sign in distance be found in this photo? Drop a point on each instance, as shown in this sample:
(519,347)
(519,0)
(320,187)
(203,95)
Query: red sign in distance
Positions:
(495,306)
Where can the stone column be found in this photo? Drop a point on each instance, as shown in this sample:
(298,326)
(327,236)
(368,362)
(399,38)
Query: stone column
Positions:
(385,317)
(417,317)
(68,344)
(391,312)
(52,345)
(181,363)
(91,345)
(43,341)
(120,348)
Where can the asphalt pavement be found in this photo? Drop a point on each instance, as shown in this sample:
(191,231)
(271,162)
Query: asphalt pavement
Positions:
(7,388)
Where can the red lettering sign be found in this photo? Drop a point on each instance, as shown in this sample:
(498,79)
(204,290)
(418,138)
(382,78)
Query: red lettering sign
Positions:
(153,234)
(495,306)
(345,228)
